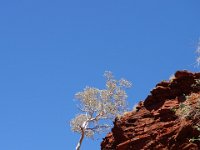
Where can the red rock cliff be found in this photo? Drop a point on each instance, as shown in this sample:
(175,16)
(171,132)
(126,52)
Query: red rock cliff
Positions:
(157,123)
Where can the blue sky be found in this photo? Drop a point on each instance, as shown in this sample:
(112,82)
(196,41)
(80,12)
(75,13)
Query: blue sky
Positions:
(49,50)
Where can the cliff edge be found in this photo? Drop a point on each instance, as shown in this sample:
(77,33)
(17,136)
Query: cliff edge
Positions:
(165,120)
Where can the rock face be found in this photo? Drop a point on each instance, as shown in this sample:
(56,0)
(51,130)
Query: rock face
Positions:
(159,122)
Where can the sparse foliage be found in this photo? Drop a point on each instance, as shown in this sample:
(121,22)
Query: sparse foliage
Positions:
(198,54)
(191,113)
(184,111)
(97,105)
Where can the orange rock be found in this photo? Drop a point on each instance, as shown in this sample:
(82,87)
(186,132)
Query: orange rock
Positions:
(155,125)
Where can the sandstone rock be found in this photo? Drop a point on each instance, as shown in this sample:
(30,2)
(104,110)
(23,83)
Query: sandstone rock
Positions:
(155,125)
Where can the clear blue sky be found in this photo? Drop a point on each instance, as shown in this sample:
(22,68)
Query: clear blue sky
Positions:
(49,50)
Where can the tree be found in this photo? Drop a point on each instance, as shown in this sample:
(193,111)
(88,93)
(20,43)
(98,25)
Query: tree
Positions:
(198,54)
(97,105)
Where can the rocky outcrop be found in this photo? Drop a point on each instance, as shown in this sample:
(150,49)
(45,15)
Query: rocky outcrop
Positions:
(158,123)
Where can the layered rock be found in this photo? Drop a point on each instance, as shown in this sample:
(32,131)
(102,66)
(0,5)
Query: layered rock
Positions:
(157,123)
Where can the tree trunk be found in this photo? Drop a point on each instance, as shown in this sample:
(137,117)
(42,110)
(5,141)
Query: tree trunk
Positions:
(84,126)
(80,141)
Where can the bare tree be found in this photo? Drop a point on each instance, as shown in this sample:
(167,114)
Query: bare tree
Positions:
(97,105)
